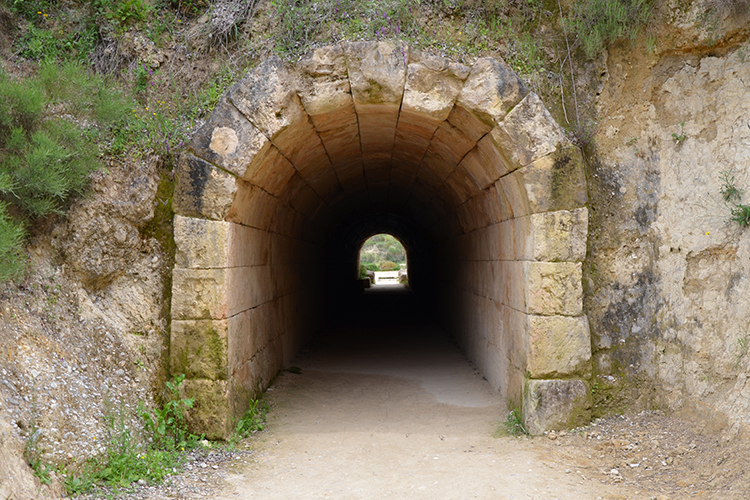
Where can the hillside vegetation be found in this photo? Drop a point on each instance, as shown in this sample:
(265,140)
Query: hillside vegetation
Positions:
(84,83)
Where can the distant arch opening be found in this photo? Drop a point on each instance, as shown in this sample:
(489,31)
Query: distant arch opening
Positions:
(383,261)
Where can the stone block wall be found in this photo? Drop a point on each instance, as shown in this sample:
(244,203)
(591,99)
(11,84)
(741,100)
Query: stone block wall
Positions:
(372,131)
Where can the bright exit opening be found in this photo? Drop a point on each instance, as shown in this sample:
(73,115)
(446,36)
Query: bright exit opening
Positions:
(383,262)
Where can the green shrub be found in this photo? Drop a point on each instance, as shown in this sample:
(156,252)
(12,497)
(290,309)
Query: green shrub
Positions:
(387,265)
(600,22)
(45,160)
(12,256)
(167,425)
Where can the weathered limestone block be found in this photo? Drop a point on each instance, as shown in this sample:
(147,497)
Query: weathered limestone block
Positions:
(500,208)
(553,288)
(198,349)
(555,405)
(377,74)
(558,346)
(228,140)
(528,132)
(254,207)
(469,124)
(377,71)
(201,190)
(557,236)
(491,90)
(269,170)
(199,293)
(555,182)
(432,86)
(512,186)
(267,97)
(249,287)
(201,243)
(324,90)
(323,84)
(246,330)
(484,164)
(459,187)
(210,414)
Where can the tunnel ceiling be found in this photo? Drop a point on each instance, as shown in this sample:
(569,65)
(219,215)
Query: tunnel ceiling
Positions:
(367,134)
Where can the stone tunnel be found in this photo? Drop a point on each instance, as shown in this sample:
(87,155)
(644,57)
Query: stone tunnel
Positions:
(299,165)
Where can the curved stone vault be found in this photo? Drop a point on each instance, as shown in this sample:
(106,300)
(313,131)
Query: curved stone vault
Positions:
(297,166)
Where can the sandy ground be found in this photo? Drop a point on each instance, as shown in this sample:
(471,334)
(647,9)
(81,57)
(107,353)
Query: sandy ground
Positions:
(386,409)
(397,416)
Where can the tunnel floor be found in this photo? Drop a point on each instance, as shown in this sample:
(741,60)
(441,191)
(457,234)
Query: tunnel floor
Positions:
(392,411)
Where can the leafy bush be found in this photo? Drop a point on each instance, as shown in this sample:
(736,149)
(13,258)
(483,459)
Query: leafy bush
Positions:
(46,157)
(600,22)
(166,425)
(389,266)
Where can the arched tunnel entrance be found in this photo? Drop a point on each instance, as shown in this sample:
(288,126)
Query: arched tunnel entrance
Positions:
(297,165)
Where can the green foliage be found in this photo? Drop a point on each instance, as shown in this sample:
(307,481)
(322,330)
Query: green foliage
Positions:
(166,425)
(33,455)
(12,256)
(362,271)
(679,138)
(742,344)
(126,12)
(600,22)
(732,195)
(729,190)
(254,419)
(513,424)
(127,459)
(46,160)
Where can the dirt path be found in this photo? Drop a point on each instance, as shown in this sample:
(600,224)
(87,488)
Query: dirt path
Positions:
(402,417)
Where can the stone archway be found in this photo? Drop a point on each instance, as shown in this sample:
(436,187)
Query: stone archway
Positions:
(374,135)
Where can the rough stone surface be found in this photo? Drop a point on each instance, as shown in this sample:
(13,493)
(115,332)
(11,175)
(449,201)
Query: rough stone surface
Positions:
(558,236)
(528,132)
(555,404)
(201,190)
(228,140)
(432,85)
(198,349)
(323,82)
(268,98)
(556,181)
(377,71)
(558,346)
(201,244)
(210,414)
(553,288)
(199,293)
(491,90)
(668,308)
(17,479)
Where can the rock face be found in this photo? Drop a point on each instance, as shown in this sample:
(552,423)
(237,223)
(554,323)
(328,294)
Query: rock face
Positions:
(668,277)
(369,130)
(82,336)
